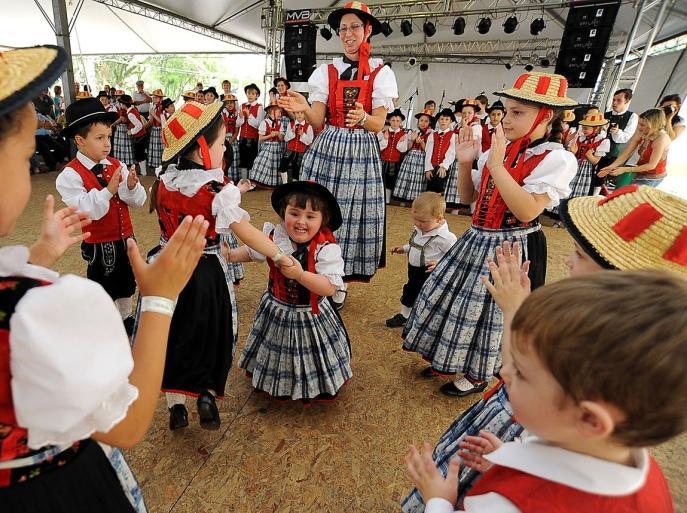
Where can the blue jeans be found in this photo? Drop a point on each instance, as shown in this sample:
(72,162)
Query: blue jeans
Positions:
(651,182)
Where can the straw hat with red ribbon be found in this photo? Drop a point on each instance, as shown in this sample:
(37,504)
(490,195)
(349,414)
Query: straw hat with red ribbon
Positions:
(119,93)
(469,103)
(594,119)
(158,92)
(186,127)
(636,227)
(229,98)
(82,95)
(568,115)
(425,112)
(189,95)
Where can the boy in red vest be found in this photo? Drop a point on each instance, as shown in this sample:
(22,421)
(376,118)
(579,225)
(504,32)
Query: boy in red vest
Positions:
(566,372)
(440,152)
(138,130)
(393,143)
(496,113)
(299,135)
(103,188)
(250,117)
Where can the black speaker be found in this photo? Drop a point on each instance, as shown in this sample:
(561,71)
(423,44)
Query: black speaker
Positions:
(300,49)
(585,41)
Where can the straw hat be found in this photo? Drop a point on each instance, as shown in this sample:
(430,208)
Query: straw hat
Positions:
(469,103)
(425,112)
(636,227)
(82,95)
(229,98)
(359,9)
(189,95)
(546,89)
(25,72)
(118,93)
(594,119)
(186,125)
(568,115)
(158,92)
(272,105)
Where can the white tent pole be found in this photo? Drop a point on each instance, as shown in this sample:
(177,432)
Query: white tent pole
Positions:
(59,8)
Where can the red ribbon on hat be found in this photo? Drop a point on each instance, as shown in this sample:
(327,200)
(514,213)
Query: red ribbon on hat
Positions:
(515,147)
(365,51)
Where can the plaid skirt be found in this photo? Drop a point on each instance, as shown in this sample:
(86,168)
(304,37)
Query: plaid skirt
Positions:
(233,170)
(123,146)
(235,269)
(455,323)
(411,179)
(265,170)
(155,147)
(581,184)
(294,353)
(494,415)
(347,162)
(451,192)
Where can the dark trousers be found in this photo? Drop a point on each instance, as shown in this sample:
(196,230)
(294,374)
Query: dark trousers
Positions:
(248,150)
(390,173)
(291,165)
(417,276)
(436,183)
(141,147)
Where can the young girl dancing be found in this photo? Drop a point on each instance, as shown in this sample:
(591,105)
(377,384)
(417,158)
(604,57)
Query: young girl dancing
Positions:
(298,347)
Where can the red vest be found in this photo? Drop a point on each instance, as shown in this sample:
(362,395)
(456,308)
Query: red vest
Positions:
(114,225)
(424,136)
(13,439)
(391,153)
(158,112)
(339,88)
(532,494)
(272,125)
(491,210)
(247,131)
(441,146)
(584,146)
(137,114)
(230,118)
(644,158)
(486,136)
(296,144)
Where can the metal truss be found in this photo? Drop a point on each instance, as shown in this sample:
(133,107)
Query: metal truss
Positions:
(273,24)
(433,59)
(164,16)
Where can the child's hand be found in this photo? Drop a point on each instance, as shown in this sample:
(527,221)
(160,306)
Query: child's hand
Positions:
(398,250)
(589,154)
(427,478)
(132,179)
(169,273)
(475,447)
(57,233)
(294,271)
(497,152)
(226,251)
(428,175)
(386,134)
(511,284)
(113,184)
(431,265)
(441,172)
(245,185)
(467,147)
(573,147)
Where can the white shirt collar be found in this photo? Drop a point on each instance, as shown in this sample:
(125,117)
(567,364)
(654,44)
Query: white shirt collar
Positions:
(579,471)
(441,231)
(397,130)
(189,181)
(88,163)
(438,130)
(545,146)
(14,261)
(621,112)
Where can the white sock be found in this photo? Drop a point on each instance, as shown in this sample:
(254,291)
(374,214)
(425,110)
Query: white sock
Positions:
(243,172)
(405,311)
(597,191)
(284,177)
(340,295)
(174,398)
(143,167)
(124,306)
(387,193)
(472,207)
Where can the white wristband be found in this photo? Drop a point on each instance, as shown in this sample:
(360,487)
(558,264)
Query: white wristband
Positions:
(157,304)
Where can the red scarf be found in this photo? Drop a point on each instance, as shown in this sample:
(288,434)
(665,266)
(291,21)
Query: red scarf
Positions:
(365,51)
(324,235)
(519,145)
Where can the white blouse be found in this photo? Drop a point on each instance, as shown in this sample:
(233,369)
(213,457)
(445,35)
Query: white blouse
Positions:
(328,260)
(401,145)
(70,357)
(434,249)
(551,177)
(306,137)
(384,91)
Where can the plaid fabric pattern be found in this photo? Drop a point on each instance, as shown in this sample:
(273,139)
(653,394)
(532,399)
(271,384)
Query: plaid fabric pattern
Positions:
(293,353)
(347,162)
(155,147)
(233,170)
(265,170)
(581,184)
(494,415)
(455,324)
(123,146)
(451,192)
(235,268)
(411,179)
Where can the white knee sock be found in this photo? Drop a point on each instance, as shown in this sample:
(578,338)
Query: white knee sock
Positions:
(124,306)
(243,172)
(597,191)
(284,177)
(143,166)
(387,193)
(174,398)
(405,311)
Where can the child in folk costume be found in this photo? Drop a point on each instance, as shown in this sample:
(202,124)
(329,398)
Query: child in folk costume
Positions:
(265,170)
(189,96)
(68,378)
(468,121)
(211,95)
(597,227)
(495,113)
(393,143)
(429,242)
(440,152)
(168,109)
(589,147)
(250,118)
(298,347)
(566,375)
(155,146)
(569,132)
(137,129)
(283,85)
(454,324)
(482,112)
(299,136)
(411,179)
(231,158)
(104,189)
(123,146)
(202,337)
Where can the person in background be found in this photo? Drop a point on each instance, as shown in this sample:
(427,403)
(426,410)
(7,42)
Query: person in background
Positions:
(142,100)
(226,88)
(483,103)
(675,124)
(58,101)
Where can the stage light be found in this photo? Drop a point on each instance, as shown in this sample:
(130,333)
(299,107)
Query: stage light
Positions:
(529,67)
(406,28)
(386,29)
(483,25)
(510,25)
(537,26)
(459,26)
(429,29)
(544,62)
(509,65)
(326,33)
(424,66)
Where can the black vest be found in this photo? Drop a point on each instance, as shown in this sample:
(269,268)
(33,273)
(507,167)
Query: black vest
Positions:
(621,120)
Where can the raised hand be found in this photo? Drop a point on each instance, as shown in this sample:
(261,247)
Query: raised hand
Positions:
(294,102)
(497,152)
(132,179)
(427,478)
(467,148)
(474,449)
(113,184)
(511,284)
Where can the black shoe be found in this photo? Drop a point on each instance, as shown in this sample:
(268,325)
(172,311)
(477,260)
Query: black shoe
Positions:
(178,417)
(396,321)
(207,411)
(451,390)
(336,304)
(427,373)
(129,325)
